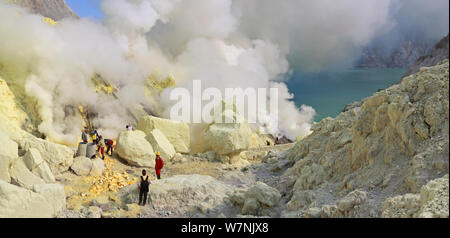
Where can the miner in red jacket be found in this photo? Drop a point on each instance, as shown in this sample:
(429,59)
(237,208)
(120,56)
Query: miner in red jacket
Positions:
(159,164)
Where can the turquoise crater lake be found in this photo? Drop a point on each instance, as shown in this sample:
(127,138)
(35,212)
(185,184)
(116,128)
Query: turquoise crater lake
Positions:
(328,92)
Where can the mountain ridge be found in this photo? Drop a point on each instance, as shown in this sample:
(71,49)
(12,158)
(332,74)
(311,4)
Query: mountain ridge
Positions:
(55,9)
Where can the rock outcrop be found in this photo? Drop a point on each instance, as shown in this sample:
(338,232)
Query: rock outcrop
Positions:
(256,200)
(227,138)
(432,202)
(182,193)
(396,141)
(8,152)
(401,54)
(58,157)
(22,176)
(176,132)
(439,53)
(135,149)
(38,166)
(54,194)
(55,9)
(20,202)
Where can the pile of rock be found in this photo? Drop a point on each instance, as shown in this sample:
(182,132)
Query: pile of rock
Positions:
(26,183)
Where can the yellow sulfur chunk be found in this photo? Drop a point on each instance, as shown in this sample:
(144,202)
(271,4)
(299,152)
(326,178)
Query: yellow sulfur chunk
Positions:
(50,21)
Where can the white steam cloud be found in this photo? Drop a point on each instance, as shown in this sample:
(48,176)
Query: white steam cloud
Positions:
(224,43)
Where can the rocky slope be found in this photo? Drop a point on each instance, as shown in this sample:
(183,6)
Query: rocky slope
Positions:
(54,9)
(402,56)
(439,53)
(385,158)
(393,144)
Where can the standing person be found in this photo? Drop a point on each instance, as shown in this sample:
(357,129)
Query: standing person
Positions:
(95,136)
(84,136)
(143,187)
(109,146)
(101,146)
(129,128)
(159,164)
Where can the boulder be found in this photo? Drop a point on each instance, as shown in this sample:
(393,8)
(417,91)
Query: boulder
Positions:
(20,202)
(135,149)
(4,168)
(431,202)
(251,207)
(402,206)
(176,132)
(32,158)
(93,212)
(101,202)
(434,198)
(226,138)
(301,199)
(8,147)
(352,199)
(44,172)
(8,151)
(313,212)
(82,166)
(238,197)
(180,193)
(98,166)
(211,156)
(22,176)
(329,211)
(264,194)
(161,144)
(38,166)
(54,194)
(58,157)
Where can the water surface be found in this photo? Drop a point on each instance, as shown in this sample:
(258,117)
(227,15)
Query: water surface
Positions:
(329,92)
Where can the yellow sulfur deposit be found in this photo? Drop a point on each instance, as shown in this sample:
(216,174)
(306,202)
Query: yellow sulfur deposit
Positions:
(11,116)
(50,21)
(110,181)
(154,82)
(101,86)
(106,185)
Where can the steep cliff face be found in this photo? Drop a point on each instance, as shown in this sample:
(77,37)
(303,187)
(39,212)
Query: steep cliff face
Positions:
(439,53)
(394,143)
(55,9)
(403,55)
